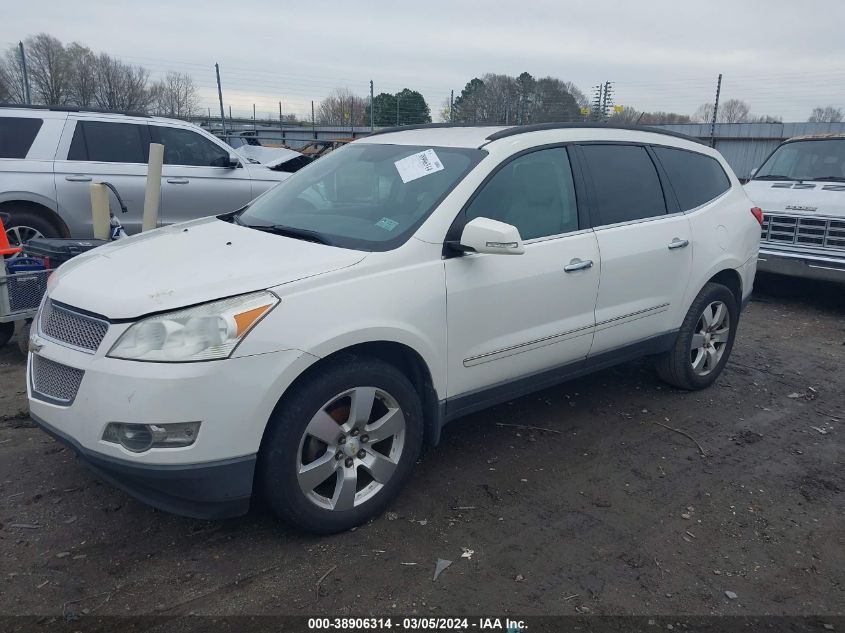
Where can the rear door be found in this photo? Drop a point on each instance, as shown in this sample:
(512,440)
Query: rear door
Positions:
(101,151)
(196,177)
(645,245)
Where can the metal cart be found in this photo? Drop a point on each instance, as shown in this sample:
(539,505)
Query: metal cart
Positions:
(20,296)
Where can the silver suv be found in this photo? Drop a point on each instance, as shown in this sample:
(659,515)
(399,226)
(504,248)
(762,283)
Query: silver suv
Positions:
(50,156)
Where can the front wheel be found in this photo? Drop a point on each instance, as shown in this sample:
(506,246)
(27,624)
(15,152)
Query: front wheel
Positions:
(342,445)
(704,341)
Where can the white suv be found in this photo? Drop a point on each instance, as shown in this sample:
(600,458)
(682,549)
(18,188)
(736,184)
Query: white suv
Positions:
(50,156)
(310,345)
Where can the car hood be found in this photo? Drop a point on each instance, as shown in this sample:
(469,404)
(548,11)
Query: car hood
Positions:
(798,198)
(188,263)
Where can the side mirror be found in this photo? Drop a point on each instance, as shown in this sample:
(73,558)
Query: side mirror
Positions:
(234,161)
(483,235)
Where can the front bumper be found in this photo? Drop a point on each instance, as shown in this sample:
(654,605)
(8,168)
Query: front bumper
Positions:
(232,399)
(805,265)
(212,490)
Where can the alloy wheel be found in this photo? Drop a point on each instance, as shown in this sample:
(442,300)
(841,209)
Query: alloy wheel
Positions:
(17,235)
(710,338)
(351,448)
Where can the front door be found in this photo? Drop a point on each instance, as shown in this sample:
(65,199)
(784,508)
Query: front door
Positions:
(513,316)
(196,177)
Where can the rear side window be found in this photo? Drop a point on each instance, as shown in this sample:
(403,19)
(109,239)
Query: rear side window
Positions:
(106,142)
(184,147)
(625,183)
(17,135)
(696,178)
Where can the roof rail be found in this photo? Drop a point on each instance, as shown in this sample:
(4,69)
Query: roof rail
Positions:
(426,126)
(539,127)
(513,130)
(69,108)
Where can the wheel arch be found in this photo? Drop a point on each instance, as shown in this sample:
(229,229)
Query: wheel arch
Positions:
(400,355)
(731,279)
(38,206)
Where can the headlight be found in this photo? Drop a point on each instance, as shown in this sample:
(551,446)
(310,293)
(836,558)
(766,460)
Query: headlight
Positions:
(205,332)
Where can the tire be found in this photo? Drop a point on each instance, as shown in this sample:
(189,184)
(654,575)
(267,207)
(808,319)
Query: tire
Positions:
(7,330)
(354,478)
(694,368)
(24,224)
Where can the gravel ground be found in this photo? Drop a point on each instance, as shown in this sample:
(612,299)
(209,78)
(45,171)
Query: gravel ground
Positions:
(606,511)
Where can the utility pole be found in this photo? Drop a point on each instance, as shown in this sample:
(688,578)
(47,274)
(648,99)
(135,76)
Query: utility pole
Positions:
(452,106)
(397,109)
(220,98)
(715,112)
(313,120)
(372,110)
(26,92)
(598,92)
(253,118)
(281,125)
(352,117)
(608,99)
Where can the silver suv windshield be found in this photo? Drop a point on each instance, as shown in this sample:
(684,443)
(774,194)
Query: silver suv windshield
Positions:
(362,196)
(819,159)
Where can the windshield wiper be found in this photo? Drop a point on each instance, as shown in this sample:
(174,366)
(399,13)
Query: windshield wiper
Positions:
(290,231)
(830,178)
(774,177)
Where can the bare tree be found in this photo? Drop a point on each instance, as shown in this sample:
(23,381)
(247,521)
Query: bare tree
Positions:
(121,86)
(343,107)
(704,113)
(580,98)
(626,115)
(11,75)
(83,74)
(734,111)
(827,114)
(49,72)
(175,96)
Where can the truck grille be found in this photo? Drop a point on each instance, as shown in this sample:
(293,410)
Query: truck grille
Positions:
(54,382)
(804,231)
(64,325)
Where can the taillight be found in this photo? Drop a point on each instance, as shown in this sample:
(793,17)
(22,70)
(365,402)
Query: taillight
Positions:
(757,212)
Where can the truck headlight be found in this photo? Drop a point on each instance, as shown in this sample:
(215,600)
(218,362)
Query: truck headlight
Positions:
(209,331)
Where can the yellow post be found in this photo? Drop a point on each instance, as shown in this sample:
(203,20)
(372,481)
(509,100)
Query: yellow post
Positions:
(152,197)
(100,211)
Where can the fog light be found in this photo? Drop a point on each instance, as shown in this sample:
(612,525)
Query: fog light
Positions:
(142,437)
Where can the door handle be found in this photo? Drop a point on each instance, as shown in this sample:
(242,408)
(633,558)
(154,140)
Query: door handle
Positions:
(178,181)
(577,264)
(676,243)
(78,178)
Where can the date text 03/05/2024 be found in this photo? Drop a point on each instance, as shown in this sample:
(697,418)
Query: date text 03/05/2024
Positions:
(505,625)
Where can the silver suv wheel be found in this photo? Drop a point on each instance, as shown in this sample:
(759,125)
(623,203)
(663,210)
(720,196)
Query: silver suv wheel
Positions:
(17,235)
(351,448)
(710,338)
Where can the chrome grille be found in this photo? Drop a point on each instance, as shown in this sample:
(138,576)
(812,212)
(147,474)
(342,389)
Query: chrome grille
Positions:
(804,231)
(53,381)
(67,326)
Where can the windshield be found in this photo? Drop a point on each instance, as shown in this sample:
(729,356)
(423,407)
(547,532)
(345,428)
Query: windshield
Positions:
(367,197)
(822,159)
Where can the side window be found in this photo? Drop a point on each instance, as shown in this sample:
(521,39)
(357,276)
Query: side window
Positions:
(534,192)
(696,178)
(625,183)
(106,142)
(184,147)
(17,135)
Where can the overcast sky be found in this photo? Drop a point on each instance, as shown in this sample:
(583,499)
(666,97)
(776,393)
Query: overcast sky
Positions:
(783,58)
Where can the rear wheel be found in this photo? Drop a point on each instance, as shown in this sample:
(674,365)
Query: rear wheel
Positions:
(704,341)
(25,224)
(342,445)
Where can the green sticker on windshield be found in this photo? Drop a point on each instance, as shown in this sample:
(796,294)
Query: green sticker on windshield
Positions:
(387,224)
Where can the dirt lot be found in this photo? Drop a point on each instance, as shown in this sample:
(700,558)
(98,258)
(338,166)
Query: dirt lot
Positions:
(607,512)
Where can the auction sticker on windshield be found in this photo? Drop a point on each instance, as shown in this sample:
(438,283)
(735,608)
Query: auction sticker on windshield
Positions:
(418,165)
